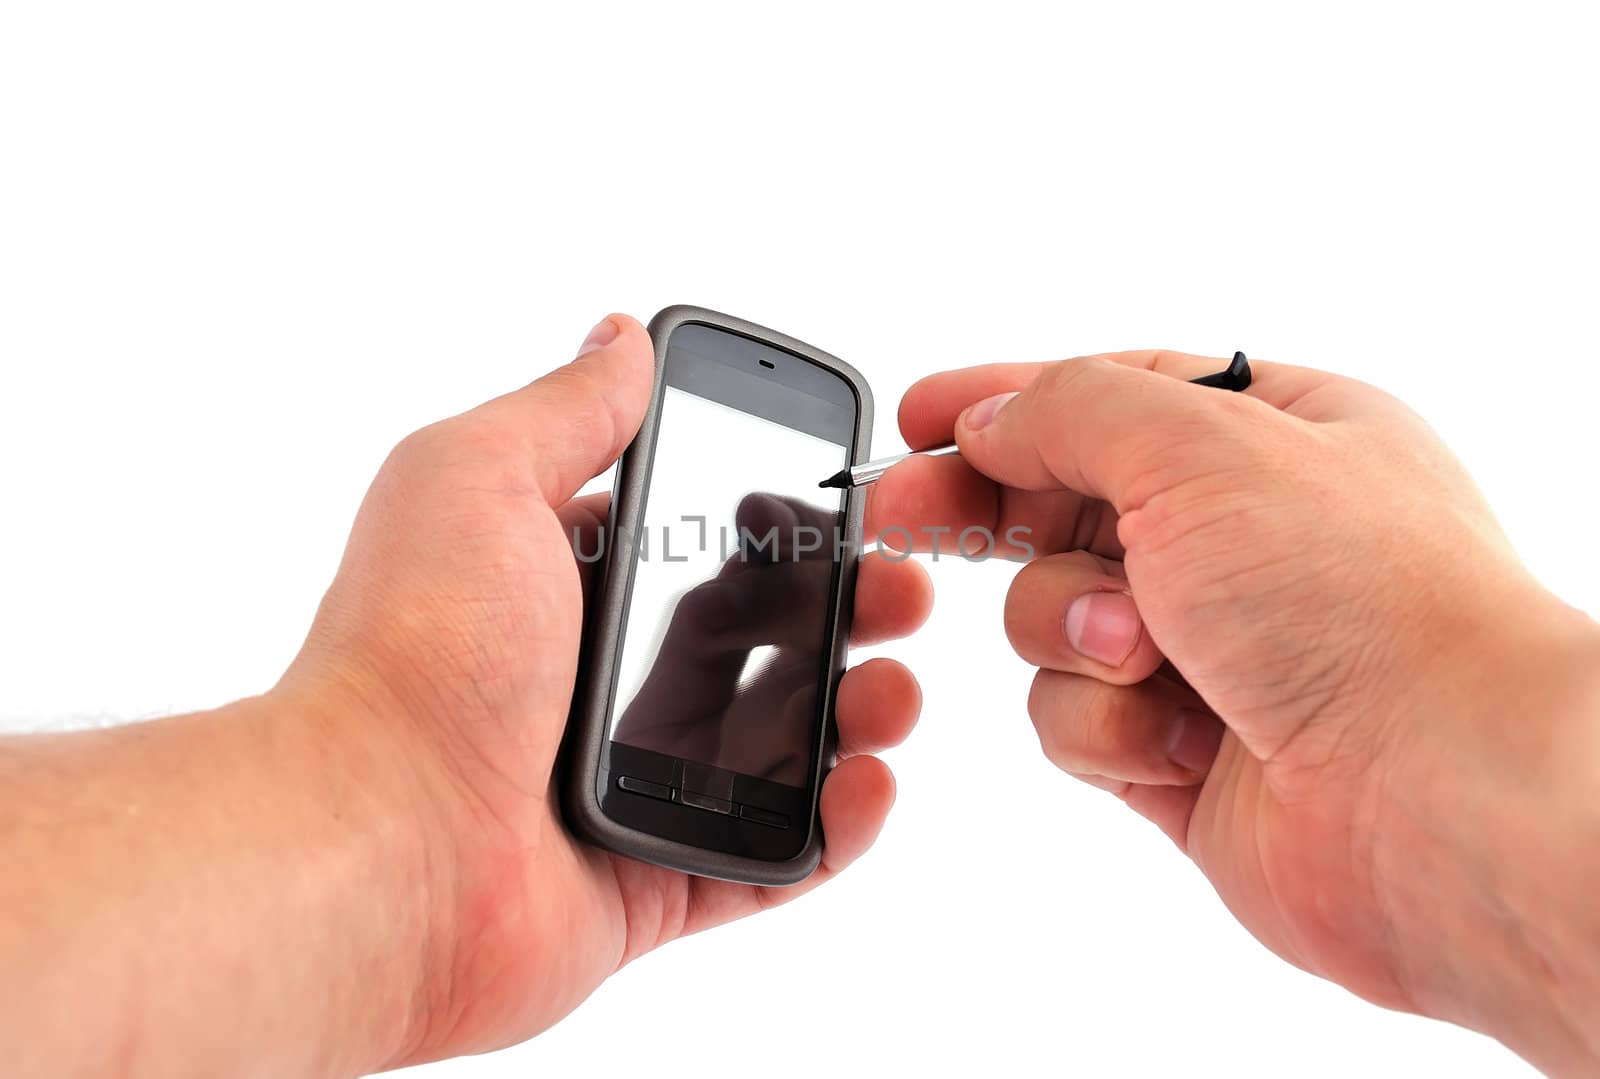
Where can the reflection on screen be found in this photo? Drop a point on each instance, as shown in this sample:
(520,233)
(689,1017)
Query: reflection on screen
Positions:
(722,658)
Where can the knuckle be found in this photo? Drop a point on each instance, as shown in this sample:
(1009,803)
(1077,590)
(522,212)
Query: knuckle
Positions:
(465,452)
(1041,696)
(1102,721)
(1055,706)
(1084,727)
(584,401)
(1119,787)
(1071,377)
(1013,615)
(420,449)
(1066,571)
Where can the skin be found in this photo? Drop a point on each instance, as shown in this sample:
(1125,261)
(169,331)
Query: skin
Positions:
(366,866)
(1282,625)
(1285,627)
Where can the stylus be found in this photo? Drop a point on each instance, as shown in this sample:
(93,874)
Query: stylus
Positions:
(1235,378)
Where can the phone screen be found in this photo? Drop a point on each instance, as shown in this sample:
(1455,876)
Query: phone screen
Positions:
(725,649)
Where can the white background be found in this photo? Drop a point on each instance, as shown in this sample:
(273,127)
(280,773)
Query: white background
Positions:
(245,249)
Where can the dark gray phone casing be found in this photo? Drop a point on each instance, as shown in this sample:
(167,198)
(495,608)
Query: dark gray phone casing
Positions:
(587,726)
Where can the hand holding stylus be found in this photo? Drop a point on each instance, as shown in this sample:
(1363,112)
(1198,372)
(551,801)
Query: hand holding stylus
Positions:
(1235,377)
(1284,626)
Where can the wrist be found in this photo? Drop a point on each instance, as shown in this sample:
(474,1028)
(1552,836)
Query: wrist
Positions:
(381,858)
(1546,873)
(261,870)
(1487,864)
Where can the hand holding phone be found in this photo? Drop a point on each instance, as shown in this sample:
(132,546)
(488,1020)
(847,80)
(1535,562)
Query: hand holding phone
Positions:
(433,692)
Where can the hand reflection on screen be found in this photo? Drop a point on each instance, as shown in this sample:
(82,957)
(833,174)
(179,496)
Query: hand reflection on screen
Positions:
(734,683)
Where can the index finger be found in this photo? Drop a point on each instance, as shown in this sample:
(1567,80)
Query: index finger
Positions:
(929,408)
(943,505)
(1110,430)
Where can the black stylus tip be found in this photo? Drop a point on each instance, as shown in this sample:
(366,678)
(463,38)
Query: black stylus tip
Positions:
(838,479)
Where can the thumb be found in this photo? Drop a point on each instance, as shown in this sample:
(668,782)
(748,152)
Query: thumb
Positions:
(573,423)
(1106,430)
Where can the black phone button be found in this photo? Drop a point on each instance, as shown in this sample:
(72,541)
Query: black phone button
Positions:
(764,816)
(705,801)
(645,787)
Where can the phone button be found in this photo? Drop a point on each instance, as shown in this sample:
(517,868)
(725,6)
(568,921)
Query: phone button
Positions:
(705,801)
(704,779)
(764,816)
(645,787)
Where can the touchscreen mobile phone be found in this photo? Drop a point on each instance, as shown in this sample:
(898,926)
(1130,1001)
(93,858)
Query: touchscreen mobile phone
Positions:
(702,723)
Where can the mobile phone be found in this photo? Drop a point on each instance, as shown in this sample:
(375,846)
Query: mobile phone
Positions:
(702,722)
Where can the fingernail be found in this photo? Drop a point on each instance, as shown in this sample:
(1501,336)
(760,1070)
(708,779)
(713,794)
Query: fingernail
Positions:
(604,332)
(1103,626)
(979,415)
(1194,740)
